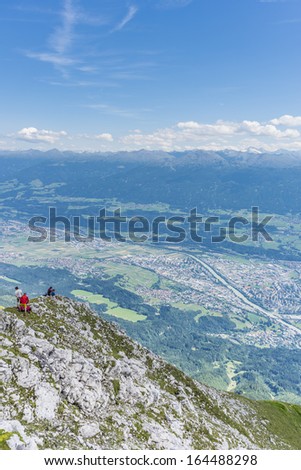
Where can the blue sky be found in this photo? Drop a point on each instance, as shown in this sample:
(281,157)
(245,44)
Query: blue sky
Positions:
(156,74)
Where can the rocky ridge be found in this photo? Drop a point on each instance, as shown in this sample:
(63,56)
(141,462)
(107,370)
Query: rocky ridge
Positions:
(70,380)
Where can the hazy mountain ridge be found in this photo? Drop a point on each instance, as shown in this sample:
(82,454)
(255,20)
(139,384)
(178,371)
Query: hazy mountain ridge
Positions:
(72,380)
(206,180)
(253,157)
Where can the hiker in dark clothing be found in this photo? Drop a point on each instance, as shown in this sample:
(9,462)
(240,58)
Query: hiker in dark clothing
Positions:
(50,292)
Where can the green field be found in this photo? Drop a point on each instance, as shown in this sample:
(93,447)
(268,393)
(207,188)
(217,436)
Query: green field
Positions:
(112,307)
(240,323)
(187,307)
(205,312)
(230,369)
(133,276)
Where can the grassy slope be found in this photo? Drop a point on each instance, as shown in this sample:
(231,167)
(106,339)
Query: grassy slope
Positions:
(283,420)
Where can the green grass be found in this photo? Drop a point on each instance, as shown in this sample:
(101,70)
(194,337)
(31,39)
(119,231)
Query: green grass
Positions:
(284,420)
(126,314)
(4,437)
(133,276)
(113,308)
(230,369)
(204,312)
(187,307)
(96,299)
(241,323)
(116,387)
(254,318)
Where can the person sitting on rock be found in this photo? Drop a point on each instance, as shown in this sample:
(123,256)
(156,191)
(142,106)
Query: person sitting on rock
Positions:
(52,293)
(49,291)
(24,303)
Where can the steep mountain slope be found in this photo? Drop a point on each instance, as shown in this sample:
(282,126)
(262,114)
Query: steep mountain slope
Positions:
(71,380)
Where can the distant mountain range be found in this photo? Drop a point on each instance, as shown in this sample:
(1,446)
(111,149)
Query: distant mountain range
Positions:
(252,157)
(225,180)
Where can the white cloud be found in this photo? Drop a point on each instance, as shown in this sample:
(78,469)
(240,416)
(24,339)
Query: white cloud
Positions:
(88,69)
(287,120)
(54,59)
(216,136)
(255,127)
(105,137)
(184,135)
(72,50)
(61,39)
(232,128)
(32,134)
(220,127)
(128,17)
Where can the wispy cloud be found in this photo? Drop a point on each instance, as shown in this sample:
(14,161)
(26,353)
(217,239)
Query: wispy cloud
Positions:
(108,109)
(289,21)
(173,3)
(128,17)
(43,14)
(69,56)
(54,59)
(74,59)
(61,39)
(83,83)
(273,1)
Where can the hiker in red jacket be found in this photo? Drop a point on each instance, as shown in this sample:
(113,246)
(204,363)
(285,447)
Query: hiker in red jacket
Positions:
(24,303)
